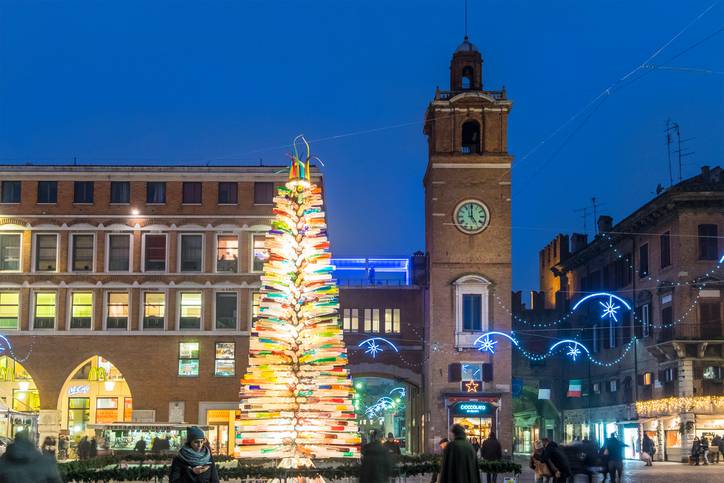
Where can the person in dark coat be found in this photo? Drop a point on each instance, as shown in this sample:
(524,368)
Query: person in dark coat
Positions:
(23,463)
(648,446)
(715,448)
(491,450)
(193,463)
(93,448)
(459,461)
(696,450)
(376,462)
(140,446)
(614,450)
(83,448)
(392,446)
(556,460)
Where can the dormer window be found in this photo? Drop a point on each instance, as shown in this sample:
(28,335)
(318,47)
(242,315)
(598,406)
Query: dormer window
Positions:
(470,138)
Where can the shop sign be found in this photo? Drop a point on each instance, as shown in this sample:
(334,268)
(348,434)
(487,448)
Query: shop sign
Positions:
(471,408)
(73,390)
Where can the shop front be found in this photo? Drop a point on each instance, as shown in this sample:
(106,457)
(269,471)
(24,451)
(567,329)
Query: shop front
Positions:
(120,438)
(478,415)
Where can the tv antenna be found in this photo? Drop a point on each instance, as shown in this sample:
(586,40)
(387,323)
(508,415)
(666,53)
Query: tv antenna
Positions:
(673,130)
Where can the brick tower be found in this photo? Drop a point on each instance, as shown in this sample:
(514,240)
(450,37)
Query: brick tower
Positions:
(467,235)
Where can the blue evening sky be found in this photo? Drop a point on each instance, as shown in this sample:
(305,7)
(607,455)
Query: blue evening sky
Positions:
(152,81)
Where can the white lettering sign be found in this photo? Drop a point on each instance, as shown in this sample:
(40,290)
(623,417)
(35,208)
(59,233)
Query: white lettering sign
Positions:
(73,390)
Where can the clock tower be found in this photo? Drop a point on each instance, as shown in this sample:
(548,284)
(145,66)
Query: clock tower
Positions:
(467,237)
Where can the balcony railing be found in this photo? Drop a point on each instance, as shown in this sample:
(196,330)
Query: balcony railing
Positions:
(445,95)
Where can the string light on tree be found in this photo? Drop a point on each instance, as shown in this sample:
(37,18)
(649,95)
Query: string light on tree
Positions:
(296,396)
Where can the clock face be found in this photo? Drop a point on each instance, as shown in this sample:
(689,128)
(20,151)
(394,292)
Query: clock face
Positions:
(471,216)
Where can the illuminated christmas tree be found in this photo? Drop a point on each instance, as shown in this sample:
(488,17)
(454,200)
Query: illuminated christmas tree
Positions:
(296,396)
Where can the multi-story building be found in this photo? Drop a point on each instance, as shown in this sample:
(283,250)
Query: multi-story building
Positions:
(658,351)
(126,293)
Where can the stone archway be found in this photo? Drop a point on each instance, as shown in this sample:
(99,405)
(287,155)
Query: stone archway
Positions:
(19,396)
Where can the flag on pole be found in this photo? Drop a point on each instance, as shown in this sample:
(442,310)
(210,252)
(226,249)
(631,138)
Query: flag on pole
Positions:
(574,388)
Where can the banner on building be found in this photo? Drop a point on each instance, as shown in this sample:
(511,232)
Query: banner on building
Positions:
(574,388)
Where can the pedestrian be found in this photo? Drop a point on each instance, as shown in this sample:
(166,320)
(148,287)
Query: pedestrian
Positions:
(695,450)
(93,448)
(556,460)
(83,448)
(459,461)
(48,447)
(705,449)
(376,462)
(436,475)
(614,450)
(491,450)
(392,446)
(542,472)
(23,463)
(193,463)
(720,446)
(140,446)
(648,450)
(476,445)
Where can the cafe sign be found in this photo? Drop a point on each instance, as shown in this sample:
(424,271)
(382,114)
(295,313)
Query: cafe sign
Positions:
(472,408)
(74,390)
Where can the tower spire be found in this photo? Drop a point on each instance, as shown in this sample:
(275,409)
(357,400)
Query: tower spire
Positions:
(466,19)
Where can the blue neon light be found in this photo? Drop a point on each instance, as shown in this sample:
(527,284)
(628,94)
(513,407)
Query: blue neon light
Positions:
(721,260)
(487,345)
(602,294)
(373,348)
(575,344)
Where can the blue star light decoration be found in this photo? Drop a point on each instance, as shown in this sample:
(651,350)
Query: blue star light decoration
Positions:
(573,352)
(487,345)
(373,348)
(609,309)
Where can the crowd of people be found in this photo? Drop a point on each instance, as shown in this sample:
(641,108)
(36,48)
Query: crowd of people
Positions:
(706,450)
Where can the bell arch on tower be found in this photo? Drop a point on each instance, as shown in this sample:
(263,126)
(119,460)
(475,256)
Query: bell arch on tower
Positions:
(470,137)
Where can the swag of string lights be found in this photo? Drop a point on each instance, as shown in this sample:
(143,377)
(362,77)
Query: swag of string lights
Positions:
(296,396)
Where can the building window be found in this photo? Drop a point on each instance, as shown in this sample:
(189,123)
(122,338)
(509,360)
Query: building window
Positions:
(645,320)
(46,251)
(191,252)
(471,372)
(227,253)
(10,191)
(9,310)
(350,320)
(647,378)
(120,192)
(255,305)
(190,313)
(710,319)
(78,414)
(260,253)
(708,246)
(188,359)
(81,310)
(375,320)
(83,192)
(472,312)
(596,388)
(106,410)
(155,192)
(154,310)
(392,321)
(712,373)
(224,362)
(263,193)
(226,310)
(154,253)
(119,253)
(82,253)
(9,252)
(191,192)
(644,260)
(44,310)
(117,310)
(367,314)
(665,241)
(612,385)
(47,191)
(228,193)
(470,137)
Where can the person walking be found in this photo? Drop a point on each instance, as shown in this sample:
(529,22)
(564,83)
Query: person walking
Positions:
(614,449)
(459,461)
(476,445)
(392,446)
(93,448)
(705,449)
(491,450)
(193,462)
(695,450)
(556,460)
(376,462)
(48,447)
(720,445)
(542,472)
(83,448)
(23,463)
(649,449)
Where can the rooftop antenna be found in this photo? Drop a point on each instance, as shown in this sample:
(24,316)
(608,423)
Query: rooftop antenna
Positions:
(584,215)
(673,128)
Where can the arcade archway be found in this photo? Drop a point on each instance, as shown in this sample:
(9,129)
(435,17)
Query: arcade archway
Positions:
(94,393)
(19,398)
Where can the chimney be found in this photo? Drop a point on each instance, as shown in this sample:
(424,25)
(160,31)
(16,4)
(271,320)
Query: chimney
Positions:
(578,242)
(705,173)
(537,301)
(517,302)
(419,269)
(605,224)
